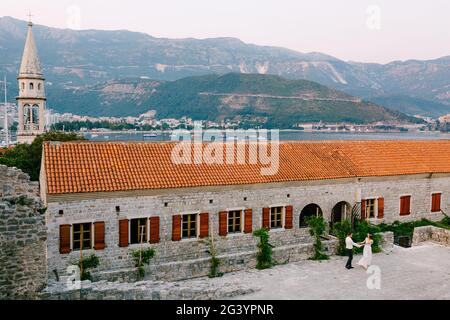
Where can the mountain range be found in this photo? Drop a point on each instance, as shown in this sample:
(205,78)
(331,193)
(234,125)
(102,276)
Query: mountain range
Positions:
(88,61)
(253,98)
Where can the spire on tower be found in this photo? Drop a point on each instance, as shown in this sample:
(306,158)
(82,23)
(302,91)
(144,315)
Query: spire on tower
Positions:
(30,66)
(29,18)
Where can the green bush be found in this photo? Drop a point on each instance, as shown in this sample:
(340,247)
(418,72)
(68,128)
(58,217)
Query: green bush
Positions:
(91,262)
(317,227)
(360,232)
(341,230)
(407,229)
(264,256)
(142,258)
(215,262)
(404,229)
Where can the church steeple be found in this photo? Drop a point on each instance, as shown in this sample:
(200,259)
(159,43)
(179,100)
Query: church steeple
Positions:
(31,66)
(31,99)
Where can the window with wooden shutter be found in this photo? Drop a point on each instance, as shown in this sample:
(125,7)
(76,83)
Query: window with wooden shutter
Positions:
(123,233)
(99,235)
(276,217)
(381,208)
(223,216)
(64,239)
(436,202)
(235,221)
(405,205)
(189,226)
(82,236)
(363,209)
(138,231)
(176,228)
(204,225)
(266,218)
(154,230)
(289,217)
(248,221)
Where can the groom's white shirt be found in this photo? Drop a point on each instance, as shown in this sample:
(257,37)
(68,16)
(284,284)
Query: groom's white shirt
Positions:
(349,244)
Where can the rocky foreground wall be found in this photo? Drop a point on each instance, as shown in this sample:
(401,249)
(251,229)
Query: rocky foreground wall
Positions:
(23,235)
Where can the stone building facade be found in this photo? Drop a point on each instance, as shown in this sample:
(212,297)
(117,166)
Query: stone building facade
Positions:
(23,235)
(113,217)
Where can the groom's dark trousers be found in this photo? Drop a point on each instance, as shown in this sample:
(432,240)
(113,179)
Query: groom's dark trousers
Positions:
(350,258)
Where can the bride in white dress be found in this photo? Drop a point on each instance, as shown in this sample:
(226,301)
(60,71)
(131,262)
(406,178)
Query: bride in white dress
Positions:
(366,260)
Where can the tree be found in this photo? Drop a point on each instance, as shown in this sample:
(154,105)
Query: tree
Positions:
(264,256)
(27,157)
(317,227)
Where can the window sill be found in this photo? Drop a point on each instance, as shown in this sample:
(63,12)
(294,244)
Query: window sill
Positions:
(235,234)
(189,240)
(84,250)
(277,230)
(138,245)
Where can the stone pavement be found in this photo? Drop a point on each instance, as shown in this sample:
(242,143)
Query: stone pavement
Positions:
(421,272)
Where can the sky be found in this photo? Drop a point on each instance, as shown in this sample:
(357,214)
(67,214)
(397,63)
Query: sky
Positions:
(352,30)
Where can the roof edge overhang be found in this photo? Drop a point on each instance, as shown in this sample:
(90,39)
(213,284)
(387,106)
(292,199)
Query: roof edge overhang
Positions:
(69,197)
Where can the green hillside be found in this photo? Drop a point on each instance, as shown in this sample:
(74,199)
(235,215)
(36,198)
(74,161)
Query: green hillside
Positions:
(271,100)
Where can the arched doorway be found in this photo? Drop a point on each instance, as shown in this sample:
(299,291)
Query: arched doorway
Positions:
(309,211)
(341,212)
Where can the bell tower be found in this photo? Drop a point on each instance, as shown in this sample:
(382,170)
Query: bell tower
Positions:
(31,99)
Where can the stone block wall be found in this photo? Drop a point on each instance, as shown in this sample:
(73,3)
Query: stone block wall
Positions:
(171,257)
(420,188)
(431,233)
(23,235)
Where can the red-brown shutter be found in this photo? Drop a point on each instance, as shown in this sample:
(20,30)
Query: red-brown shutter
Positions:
(248,222)
(223,224)
(99,235)
(64,239)
(436,202)
(154,230)
(363,209)
(176,228)
(289,216)
(408,205)
(381,208)
(266,218)
(123,233)
(204,225)
(405,205)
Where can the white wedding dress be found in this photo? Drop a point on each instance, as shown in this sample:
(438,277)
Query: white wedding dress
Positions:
(366,260)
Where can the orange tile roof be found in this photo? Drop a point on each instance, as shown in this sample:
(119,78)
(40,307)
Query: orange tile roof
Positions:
(80,167)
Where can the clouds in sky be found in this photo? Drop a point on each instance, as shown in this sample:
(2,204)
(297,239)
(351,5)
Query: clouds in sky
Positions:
(359,30)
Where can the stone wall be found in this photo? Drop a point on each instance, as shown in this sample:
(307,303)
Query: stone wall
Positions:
(189,258)
(198,289)
(431,233)
(23,236)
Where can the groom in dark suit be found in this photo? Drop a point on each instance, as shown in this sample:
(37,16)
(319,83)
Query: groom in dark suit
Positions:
(349,244)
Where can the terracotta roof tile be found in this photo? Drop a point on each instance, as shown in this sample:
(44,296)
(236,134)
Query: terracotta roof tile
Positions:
(80,167)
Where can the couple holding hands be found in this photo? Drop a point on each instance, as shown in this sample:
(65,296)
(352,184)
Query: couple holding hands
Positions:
(366,260)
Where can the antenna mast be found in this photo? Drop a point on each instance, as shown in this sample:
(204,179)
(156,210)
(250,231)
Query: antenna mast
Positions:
(6,117)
